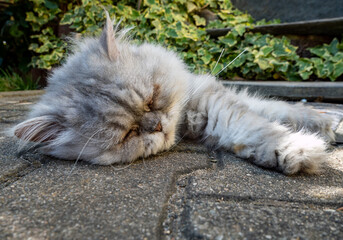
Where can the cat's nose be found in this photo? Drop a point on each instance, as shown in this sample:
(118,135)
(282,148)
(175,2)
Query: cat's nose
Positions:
(158,127)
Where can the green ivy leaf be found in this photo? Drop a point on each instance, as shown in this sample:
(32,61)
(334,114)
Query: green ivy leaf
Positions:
(229,40)
(150,3)
(305,68)
(50,5)
(48,31)
(30,17)
(170,32)
(266,50)
(239,29)
(85,2)
(67,19)
(280,66)
(191,7)
(201,52)
(338,70)
(333,47)
(206,58)
(33,46)
(199,21)
(338,57)
(263,63)
(321,52)
(322,69)
(305,75)
(218,68)
(238,62)
(281,50)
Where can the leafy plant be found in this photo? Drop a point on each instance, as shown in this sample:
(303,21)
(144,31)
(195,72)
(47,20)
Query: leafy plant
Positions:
(329,60)
(15,35)
(180,26)
(44,19)
(12,81)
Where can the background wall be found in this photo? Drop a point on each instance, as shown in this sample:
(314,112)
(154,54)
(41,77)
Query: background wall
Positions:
(291,10)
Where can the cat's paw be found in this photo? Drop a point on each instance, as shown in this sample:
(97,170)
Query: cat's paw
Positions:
(195,124)
(299,152)
(325,128)
(314,121)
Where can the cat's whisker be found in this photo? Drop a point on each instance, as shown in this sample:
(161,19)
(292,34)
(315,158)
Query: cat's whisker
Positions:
(192,91)
(92,140)
(219,71)
(231,62)
(144,163)
(218,61)
(178,141)
(180,103)
(119,169)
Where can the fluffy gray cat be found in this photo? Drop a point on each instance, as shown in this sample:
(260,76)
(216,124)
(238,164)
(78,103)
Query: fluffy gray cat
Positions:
(113,102)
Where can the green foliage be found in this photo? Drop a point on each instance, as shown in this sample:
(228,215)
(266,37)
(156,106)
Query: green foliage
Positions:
(15,36)
(178,25)
(11,81)
(44,19)
(329,60)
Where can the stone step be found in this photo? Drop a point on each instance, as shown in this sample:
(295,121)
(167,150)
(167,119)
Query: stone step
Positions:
(325,91)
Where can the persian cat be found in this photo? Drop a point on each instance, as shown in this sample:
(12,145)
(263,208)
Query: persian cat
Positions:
(113,102)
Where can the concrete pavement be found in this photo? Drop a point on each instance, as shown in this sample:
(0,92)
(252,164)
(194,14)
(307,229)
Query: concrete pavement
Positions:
(185,193)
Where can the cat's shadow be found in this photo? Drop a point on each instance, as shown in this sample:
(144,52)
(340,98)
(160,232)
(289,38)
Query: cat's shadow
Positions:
(329,177)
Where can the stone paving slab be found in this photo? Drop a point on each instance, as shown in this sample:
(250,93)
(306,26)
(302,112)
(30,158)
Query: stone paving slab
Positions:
(13,108)
(241,201)
(247,181)
(216,219)
(9,162)
(93,202)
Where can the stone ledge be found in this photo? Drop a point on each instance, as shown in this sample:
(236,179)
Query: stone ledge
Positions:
(331,91)
(329,27)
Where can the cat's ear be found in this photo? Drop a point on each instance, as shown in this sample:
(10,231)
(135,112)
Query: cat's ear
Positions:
(107,39)
(39,129)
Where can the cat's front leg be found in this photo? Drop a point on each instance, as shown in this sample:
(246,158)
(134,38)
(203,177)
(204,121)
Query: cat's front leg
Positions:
(226,121)
(296,116)
(267,144)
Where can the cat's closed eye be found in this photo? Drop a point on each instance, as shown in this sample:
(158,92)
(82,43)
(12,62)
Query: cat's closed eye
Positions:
(149,106)
(134,131)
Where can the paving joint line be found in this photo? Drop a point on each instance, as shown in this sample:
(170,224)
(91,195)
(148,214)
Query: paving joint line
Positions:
(16,174)
(251,199)
(172,188)
(188,230)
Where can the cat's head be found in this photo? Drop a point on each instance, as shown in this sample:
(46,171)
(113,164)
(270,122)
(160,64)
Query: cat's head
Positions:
(109,102)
